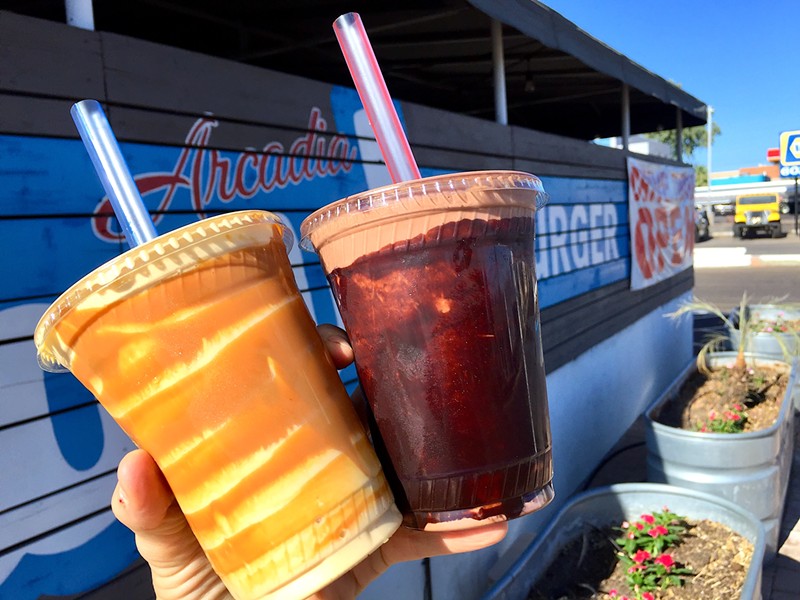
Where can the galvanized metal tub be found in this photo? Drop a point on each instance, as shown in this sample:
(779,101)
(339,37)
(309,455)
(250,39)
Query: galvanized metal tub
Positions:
(774,344)
(627,501)
(750,469)
(768,344)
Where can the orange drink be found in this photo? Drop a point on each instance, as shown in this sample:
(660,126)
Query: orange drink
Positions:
(200,346)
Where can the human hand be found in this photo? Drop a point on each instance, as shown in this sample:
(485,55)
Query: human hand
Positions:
(144,503)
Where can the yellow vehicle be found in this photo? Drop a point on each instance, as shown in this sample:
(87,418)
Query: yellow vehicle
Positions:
(757,212)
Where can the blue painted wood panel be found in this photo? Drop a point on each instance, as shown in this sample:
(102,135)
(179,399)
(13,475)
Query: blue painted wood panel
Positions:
(55,225)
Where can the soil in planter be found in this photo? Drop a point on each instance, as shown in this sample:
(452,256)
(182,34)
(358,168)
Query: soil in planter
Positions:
(587,567)
(761,392)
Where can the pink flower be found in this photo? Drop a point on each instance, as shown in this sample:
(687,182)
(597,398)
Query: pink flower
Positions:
(712,415)
(634,568)
(648,596)
(649,519)
(631,536)
(612,593)
(657,531)
(665,560)
(639,526)
(641,556)
(625,524)
(737,407)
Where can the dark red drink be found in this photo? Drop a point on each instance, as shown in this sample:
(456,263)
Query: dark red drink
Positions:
(445,329)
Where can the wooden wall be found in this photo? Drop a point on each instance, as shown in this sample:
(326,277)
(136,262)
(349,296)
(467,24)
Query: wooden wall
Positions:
(204,136)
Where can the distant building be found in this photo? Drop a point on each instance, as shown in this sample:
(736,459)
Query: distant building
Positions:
(726,185)
(642,145)
(746,175)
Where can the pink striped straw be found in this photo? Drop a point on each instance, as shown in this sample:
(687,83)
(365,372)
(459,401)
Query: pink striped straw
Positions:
(375,97)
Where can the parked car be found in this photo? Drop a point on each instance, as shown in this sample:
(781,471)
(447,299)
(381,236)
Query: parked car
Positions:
(702,226)
(757,212)
(723,208)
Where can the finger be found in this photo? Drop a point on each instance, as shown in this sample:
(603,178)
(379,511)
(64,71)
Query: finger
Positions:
(410,544)
(144,503)
(142,497)
(407,544)
(337,343)
(362,410)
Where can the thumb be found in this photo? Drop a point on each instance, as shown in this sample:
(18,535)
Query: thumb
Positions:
(144,503)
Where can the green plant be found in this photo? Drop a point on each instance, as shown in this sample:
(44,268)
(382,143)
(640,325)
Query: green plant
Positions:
(781,324)
(652,532)
(730,421)
(643,550)
(746,323)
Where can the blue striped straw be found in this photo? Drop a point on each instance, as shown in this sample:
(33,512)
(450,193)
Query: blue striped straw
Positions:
(113,172)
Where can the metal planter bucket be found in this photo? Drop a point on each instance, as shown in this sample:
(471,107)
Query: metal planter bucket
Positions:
(626,501)
(765,343)
(775,345)
(750,469)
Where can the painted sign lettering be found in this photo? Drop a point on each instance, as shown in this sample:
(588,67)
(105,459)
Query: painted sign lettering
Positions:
(575,237)
(661,220)
(213,175)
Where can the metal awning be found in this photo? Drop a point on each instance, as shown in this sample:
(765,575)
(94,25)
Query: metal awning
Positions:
(583,78)
(438,53)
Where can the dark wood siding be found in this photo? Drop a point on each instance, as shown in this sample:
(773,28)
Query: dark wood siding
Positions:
(154,95)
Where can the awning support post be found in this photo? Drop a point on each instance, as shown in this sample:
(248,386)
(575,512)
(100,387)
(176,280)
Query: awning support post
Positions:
(80,14)
(626,116)
(499,74)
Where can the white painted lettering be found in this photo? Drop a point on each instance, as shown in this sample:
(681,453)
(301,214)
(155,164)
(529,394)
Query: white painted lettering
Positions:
(578,225)
(557,227)
(596,225)
(612,246)
(542,254)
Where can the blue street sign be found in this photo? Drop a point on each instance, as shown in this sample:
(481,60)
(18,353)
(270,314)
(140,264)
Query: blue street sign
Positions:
(790,148)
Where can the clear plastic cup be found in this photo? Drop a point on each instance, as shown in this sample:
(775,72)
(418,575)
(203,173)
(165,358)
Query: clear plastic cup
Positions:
(200,346)
(435,281)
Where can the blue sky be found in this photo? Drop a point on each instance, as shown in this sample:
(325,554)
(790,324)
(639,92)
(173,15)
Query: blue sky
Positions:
(738,56)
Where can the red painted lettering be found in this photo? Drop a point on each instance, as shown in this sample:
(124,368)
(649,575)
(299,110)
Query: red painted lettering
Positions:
(210,175)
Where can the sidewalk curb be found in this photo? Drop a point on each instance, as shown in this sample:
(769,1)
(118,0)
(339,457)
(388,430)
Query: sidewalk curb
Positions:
(718,258)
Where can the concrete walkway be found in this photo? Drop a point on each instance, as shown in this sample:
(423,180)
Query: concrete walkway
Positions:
(782,577)
(738,256)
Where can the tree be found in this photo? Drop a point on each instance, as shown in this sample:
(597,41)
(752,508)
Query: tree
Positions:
(700,175)
(693,138)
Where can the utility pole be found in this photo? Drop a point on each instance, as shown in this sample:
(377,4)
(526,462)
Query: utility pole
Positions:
(709,112)
(796,226)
